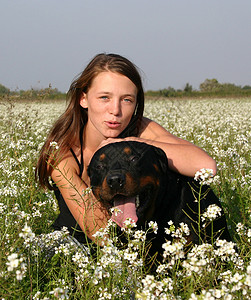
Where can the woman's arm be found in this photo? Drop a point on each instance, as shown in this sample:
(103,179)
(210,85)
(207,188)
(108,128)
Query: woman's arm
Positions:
(87,211)
(183,156)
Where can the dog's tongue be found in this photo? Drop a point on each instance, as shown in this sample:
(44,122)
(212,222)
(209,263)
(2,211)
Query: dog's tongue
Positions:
(124,208)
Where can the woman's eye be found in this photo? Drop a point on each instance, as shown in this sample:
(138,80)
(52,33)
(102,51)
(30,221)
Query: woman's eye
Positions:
(104,97)
(127,100)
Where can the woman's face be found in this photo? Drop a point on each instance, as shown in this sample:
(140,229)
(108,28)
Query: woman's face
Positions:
(111,101)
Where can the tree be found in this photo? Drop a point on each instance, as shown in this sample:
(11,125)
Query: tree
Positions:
(230,87)
(246,87)
(169,92)
(188,88)
(4,90)
(210,85)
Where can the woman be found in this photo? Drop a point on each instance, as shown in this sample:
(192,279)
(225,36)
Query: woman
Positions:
(106,105)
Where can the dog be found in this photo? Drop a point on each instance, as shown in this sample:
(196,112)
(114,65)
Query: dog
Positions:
(135,178)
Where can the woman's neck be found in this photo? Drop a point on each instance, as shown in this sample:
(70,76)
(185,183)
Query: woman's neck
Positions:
(91,141)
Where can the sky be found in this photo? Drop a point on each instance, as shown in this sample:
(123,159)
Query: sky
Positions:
(172,42)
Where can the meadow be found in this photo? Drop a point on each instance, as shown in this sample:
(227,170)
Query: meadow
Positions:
(36,263)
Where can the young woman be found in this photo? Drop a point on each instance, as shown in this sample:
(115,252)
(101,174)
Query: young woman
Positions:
(106,105)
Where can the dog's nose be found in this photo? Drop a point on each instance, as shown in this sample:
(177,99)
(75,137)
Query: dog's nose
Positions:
(116,181)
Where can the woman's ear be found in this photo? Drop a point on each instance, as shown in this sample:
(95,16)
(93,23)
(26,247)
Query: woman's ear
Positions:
(83,101)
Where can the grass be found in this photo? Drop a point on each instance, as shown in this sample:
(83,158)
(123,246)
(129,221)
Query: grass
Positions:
(60,270)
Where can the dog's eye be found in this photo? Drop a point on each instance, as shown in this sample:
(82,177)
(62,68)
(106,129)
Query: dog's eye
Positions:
(100,166)
(134,158)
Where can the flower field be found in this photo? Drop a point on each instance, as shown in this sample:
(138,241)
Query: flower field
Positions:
(36,263)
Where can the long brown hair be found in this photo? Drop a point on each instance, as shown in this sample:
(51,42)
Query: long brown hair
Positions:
(66,130)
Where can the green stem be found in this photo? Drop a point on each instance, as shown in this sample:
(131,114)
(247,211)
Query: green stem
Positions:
(199,213)
(212,232)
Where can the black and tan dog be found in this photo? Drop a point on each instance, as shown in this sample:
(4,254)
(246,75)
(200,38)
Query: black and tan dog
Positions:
(135,177)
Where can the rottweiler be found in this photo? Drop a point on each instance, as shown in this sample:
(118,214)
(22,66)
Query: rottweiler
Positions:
(135,178)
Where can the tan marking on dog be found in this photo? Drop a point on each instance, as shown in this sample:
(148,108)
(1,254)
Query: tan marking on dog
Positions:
(127,150)
(130,184)
(96,190)
(105,191)
(102,156)
(147,179)
(156,167)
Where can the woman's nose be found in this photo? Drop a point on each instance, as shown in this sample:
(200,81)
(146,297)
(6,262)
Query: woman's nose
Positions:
(115,107)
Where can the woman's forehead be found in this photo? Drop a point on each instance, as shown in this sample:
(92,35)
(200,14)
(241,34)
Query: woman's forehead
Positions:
(108,81)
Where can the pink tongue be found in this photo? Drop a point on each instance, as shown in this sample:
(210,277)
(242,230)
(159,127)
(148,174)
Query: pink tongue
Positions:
(124,208)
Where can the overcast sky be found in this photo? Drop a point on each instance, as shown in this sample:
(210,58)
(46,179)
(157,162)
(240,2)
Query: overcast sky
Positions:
(172,41)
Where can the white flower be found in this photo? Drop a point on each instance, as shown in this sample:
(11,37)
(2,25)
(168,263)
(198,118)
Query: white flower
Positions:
(115,211)
(128,224)
(132,256)
(20,274)
(171,228)
(140,235)
(13,262)
(193,297)
(184,229)
(175,250)
(60,293)
(213,211)
(27,233)
(153,226)
(240,228)
(54,145)
(204,176)
(37,295)
(86,191)
(249,234)
(2,207)
(244,231)
(226,250)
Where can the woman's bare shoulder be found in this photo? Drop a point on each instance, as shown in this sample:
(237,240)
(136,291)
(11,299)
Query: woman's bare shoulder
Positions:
(153,131)
(150,128)
(65,165)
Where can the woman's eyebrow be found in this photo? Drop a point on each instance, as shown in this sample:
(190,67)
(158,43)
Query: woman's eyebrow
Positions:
(104,92)
(124,95)
(130,95)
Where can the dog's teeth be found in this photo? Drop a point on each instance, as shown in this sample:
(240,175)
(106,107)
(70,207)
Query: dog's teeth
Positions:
(137,201)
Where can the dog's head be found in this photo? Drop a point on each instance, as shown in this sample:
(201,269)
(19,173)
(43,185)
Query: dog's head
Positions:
(124,171)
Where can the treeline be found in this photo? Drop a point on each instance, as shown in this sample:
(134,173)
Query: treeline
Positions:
(46,93)
(208,88)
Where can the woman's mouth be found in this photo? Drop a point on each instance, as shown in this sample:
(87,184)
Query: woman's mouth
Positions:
(112,124)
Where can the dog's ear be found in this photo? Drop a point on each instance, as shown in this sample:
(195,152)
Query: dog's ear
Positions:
(162,159)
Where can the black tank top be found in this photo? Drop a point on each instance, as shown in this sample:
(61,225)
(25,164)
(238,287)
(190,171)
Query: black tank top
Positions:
(65,218)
